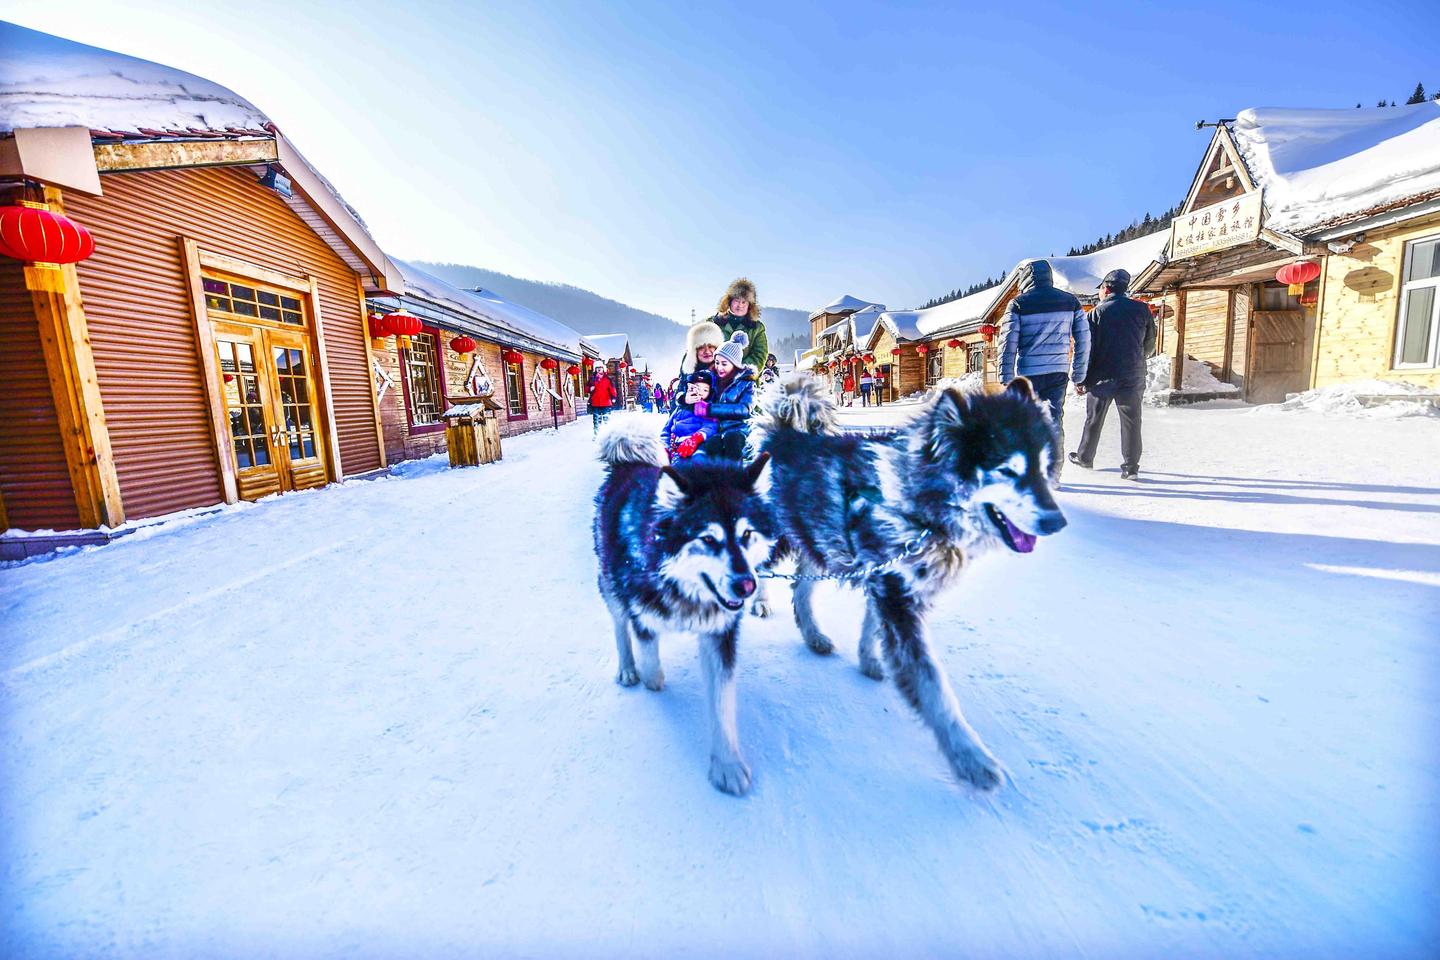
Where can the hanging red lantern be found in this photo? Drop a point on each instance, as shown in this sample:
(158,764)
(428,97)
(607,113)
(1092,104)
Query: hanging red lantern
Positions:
(1296,275)
(922,349)
(953,344)
(869,358)
(1309,299)
(549,363)
(988,330)
(895,352)
(32,232)
(624,365)
(402,323)
(513,356)
(463,344)
(572,370)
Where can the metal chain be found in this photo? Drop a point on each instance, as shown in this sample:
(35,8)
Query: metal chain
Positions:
(912,547)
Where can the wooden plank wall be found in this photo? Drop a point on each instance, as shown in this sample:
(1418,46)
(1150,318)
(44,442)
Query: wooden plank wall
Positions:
(138,306)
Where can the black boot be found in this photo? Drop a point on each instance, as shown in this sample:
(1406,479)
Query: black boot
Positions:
(1075,459)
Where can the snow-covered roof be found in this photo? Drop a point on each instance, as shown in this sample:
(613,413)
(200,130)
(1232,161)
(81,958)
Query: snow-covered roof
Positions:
(641,364)
(1082,275)
(612,346)
(1321,167)
(47,81)
(490,308)
(845,304)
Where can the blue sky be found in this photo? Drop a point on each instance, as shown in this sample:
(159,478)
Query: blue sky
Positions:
(651,152)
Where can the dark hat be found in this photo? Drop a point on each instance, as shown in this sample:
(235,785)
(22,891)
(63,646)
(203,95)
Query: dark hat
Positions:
(701,376)
(1118,280)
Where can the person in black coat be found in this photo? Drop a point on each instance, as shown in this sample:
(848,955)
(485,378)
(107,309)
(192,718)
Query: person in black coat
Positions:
(1122,339)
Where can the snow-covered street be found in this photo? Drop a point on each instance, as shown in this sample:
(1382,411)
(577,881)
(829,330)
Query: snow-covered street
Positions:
(380,720)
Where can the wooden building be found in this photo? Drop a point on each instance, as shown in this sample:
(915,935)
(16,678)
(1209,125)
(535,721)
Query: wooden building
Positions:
(1349,201)
(529,363)
(214,346)
(828,316)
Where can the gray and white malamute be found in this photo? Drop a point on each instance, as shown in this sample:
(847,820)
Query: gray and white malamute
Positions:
(678,550)
(967,475)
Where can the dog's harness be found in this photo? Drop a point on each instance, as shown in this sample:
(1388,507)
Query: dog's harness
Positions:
(912,547)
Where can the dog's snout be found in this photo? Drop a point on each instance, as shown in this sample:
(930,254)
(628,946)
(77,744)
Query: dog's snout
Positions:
(1052,521)
(743,586)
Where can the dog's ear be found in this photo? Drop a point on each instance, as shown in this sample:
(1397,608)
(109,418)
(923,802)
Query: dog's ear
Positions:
(1022,388)
(670,490)
(758,474)
(949,408)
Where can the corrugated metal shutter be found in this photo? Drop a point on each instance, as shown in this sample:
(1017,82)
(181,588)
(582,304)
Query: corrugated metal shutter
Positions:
(138,308)
(33,473)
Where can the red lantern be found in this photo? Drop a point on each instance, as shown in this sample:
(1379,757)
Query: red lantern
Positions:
(1296,275)
(922,349)
(549,363)
(33,233)
(988,330)
(1154,309)
(624,365)
(572,370)
(379,329)
(512,356)
(953,344)
(869,358)
(895,352)
(401,323)
(463,344)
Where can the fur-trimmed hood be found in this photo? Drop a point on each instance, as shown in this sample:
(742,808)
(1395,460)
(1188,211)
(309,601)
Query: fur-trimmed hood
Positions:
(741,287)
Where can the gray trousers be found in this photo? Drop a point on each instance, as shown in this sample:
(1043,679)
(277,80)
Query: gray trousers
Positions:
(1126,398)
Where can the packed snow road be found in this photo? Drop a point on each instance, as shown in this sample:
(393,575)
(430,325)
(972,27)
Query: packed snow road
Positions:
(380,720)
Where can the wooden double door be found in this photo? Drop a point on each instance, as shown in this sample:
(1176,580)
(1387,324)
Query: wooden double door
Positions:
(1278,360)
(268,383)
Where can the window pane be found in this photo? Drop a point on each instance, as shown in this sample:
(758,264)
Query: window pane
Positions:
(213,302)
(247,359)
(309,445)
(262,452)
(241,307)
(1419,314)
(270,313)
(241,293)
(290,303)
(215,286)
(1424,261)
(268,298)
(289,317)
(242,454)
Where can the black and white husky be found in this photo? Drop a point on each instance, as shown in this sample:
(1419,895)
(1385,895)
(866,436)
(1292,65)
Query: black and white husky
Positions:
(678,550)
(900,513)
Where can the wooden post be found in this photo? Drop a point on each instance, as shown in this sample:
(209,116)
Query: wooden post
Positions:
(1177,368)
(1225,370)
(210,370)
(75,387)
(370,370)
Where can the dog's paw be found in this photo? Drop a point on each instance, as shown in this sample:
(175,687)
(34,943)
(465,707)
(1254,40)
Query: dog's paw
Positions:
(820,643)
(872,669)
(627,677)
(655,681)
(730,776)
(761,609)
(979,769)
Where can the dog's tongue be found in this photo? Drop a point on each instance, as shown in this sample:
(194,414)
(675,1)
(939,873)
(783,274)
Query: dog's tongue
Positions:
(1024,542)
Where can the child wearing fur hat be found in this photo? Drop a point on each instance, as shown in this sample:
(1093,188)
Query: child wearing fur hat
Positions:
(691,424)
(734,399)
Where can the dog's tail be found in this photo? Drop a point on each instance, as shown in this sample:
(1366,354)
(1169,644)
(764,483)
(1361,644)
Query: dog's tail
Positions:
(632,439)
(800,402)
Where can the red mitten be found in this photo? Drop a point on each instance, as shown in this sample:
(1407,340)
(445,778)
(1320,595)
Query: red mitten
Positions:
(688,446)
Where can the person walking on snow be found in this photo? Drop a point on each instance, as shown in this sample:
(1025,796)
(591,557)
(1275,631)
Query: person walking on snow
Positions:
(1045,337)
(643,396)
(1123,338)
(734,400)
(602,398)
(739,310)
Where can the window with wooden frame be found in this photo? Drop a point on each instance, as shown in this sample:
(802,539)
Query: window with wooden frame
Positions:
(424,395)
(1417,328)
(515,389)
(975,358)
(247,302)
(934,366)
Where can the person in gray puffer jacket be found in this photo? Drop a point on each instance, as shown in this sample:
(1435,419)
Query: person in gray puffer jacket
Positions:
(1035,341)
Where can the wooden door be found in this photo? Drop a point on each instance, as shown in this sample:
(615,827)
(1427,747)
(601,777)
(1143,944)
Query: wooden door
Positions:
(301,447)
(247,387)
(1276,362)
(268,384)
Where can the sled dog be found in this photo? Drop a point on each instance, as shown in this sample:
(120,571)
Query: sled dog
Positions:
(900,513)
(678,548)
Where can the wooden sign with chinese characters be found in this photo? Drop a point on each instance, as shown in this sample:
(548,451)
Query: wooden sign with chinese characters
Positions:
(1228,223)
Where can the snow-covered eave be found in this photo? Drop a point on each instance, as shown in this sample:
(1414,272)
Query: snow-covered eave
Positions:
(476,324)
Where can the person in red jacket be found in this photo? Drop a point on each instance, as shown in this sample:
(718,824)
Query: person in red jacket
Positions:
(602,398)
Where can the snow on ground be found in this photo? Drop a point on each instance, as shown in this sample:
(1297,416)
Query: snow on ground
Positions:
(1198,379)
(380,720)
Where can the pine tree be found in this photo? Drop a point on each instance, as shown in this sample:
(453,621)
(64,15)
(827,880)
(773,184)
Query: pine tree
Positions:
(1418,96)
(1357,106)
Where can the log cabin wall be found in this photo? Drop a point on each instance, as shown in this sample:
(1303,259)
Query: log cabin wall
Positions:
(1360,309)
(137,302)
(1206,326)
(34,474)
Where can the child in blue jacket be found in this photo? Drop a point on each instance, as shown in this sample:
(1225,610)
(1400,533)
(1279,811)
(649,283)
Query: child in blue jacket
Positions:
(734,401)
(691,424)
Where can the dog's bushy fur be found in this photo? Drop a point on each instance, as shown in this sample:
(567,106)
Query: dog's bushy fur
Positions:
(969,473)
(678,550)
